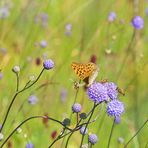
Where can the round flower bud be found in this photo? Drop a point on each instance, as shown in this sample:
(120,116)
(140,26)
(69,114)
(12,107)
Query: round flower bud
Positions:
(138,22)
(76,108)
(48,64)
(97,92)
(16,69)
(120,140)
(115,108)
(93,139)
(111,90)
(43,44)
(82,129)
(1,136)
(29,145)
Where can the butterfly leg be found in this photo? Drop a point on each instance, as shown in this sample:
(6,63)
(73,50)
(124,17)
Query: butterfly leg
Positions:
(78,85)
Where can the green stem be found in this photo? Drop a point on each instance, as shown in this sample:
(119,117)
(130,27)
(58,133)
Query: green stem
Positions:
(136,134)
(30,118)
(88,123)
(111,134)
(14,97)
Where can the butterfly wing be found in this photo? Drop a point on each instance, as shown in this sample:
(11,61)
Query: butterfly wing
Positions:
(83,70)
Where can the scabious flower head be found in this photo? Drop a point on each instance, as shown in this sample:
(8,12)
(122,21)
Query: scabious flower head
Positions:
(82,129)
(115,108)
(112,16)
(93,138)
(97,92)
(48,64)
(76,108)
(32,100)
(29,145)
(138,22)
(111,90)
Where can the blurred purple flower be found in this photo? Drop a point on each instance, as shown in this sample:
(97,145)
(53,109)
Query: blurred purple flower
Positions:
(29,145)
(3,50)
(68,29)
(1,75)
(146,11)
(43,44)
(63,94)
(4,12)
(115,108)
(138,22)
(32,100)
(97,92)
(111,89)
(112,16)
(42,19)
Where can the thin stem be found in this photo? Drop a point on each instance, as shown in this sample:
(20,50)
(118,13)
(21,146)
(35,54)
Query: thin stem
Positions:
(111,134)
(68,139)
(17,82)
(88,123)
(14,97)
(136,133)
(30,118)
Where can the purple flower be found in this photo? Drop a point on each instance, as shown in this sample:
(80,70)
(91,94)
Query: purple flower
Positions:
(146,11)
(29,145)
(1,75)
(138,22)
(97,92)
(4,12)
(111,89)
(68,27)
(76,108)
(82,129)
(93,139)
(111,16)
(43,43)
(32,100)
(115,108)
(48,64)
(63,94)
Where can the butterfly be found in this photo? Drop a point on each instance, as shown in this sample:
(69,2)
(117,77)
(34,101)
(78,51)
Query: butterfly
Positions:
(86,72)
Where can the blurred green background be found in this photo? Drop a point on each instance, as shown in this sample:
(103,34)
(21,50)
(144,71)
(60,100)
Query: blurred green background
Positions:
(73,30)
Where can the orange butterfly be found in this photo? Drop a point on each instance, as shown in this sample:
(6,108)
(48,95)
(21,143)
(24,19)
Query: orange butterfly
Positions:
(86,72)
